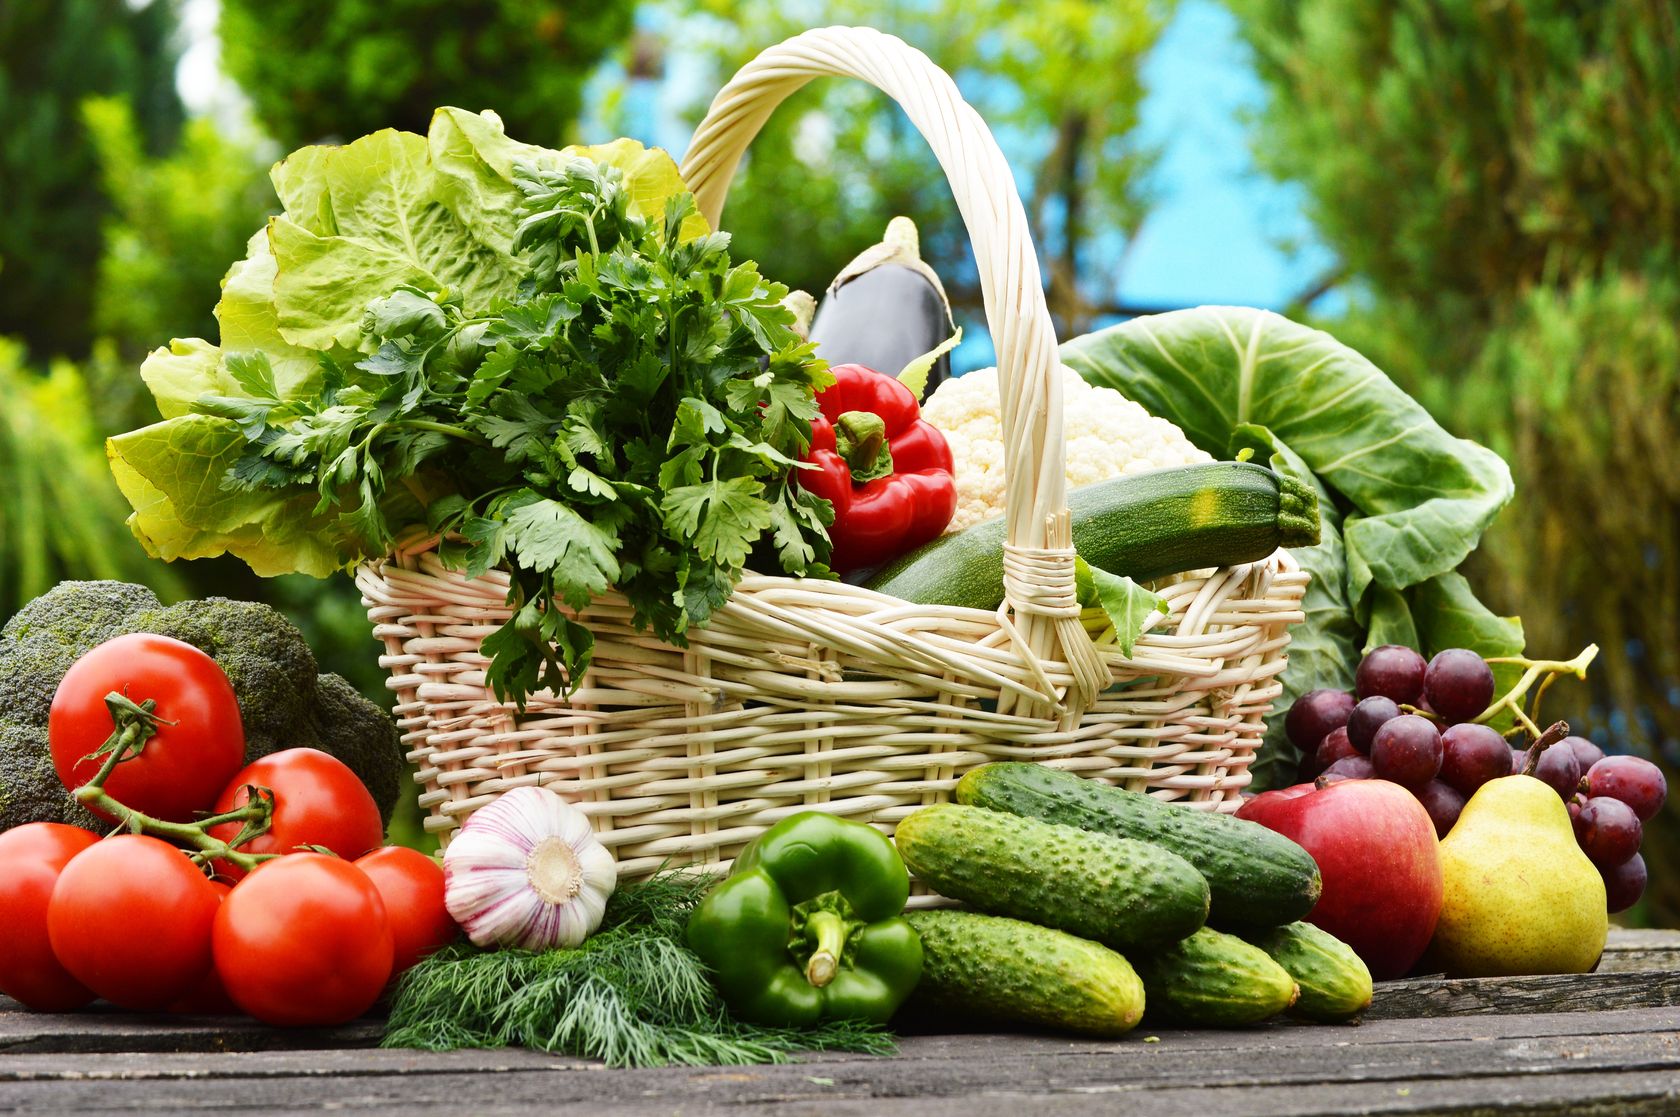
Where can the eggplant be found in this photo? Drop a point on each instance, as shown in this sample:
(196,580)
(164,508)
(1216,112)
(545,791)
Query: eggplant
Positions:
(886,308)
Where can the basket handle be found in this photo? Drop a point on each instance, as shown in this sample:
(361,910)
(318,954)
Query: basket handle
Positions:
(1038,567)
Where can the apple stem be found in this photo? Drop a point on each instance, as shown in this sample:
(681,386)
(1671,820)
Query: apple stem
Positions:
(1556,732)
(1321,783)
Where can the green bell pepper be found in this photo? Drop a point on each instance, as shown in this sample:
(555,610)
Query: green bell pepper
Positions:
(808,926)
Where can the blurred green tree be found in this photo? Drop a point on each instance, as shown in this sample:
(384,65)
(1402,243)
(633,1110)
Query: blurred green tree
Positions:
(1501,179)
(315,71)
(1058,82)
(53,53)
(61,515)
(176,222)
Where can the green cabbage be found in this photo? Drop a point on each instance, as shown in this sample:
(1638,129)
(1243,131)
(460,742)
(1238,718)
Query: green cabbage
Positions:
(1402,501)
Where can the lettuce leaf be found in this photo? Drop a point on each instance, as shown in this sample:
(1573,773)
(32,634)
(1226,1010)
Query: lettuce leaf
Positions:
(1402,501)
(438,212)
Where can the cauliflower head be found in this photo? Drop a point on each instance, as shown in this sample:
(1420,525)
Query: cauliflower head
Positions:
(1107,436)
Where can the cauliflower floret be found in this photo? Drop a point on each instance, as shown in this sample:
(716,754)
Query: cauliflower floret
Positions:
(1107,436)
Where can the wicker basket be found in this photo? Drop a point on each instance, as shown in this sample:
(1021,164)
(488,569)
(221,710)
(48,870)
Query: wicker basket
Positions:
(806,695)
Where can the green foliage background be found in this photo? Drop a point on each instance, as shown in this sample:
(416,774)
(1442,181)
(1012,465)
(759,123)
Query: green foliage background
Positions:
(54,53)
(317,71)
(1502,184)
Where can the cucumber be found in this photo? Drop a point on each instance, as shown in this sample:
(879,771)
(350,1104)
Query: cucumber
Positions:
(985,967)
(1335,985)
(1214,979)
(1257,877)
(1144,526)
(1114,891)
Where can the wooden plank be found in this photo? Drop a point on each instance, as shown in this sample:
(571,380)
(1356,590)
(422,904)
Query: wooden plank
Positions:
(101,1028)
(1556,1077)
(1479,996)
(1632,951)
(1545,1063)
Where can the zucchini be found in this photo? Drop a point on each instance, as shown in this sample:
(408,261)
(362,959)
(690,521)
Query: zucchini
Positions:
(1114,891)
(1257,877)
(1003,971)
(1214,979)
(1335,984)
(1144,526)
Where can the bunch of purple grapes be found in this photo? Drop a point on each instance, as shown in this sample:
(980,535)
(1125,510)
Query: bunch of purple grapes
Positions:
(1442,756)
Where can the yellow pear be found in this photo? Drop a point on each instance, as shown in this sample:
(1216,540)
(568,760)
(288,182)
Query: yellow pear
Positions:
(1519,896)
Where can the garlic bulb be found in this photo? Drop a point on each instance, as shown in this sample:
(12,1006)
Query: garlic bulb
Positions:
(527,871)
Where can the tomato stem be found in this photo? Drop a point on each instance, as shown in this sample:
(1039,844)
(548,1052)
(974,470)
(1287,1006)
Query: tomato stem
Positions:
(135,723)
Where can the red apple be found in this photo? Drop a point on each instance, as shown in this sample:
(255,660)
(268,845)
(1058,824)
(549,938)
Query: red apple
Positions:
(1376,849)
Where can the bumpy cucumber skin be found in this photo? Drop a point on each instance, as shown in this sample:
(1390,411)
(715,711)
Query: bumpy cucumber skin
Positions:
(1005,971)
(1146,525)
(1118,892)
(1215,980)
(1335,984)
(1258,878)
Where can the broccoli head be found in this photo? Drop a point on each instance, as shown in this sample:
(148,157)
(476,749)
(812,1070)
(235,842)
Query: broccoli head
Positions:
(46,636)
(29,786)
(284,702)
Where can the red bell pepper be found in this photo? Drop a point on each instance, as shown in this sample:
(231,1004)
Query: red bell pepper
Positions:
(887,472)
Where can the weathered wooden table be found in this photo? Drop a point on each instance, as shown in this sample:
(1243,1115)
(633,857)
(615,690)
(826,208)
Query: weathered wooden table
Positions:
(1606,1043)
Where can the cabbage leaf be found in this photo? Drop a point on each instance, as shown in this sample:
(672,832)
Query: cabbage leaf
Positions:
(1403,502)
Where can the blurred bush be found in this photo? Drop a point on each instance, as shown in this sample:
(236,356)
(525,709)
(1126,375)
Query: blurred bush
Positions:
(54,53)
(61,515)
(316,71)
(1502,183)
(1057,81)
(177,221)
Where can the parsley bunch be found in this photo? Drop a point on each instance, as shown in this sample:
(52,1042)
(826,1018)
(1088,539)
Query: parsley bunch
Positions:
(630,419)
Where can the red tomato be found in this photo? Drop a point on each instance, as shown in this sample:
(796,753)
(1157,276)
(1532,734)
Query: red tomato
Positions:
(130,918)
(303,940)
(208,998)
(318,801)
(31,858)
(411,884)
(184,765)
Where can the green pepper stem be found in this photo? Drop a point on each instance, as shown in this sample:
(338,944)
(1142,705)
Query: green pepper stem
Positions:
(830,931)
(860,438)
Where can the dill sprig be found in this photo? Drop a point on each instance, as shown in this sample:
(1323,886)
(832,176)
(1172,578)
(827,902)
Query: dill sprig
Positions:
(633,995)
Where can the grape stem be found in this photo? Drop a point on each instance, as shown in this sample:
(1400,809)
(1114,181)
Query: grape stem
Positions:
(1554,733)
(1533,671)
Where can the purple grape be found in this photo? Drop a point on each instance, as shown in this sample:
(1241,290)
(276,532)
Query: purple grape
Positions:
(1458,684)
(1314,714)
(1518,759)
(1368,717)
(1624,884)
(1353,767)
(1443,803)
(1393,671)
(1471,755)
(1407,751)
(1334,747)
(1559,771)
(1575,804)
(1607,831)
(1586,753)
(1635,781)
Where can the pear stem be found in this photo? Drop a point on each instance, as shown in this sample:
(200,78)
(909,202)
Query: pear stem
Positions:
(1556,732)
